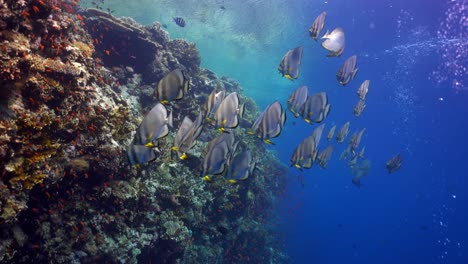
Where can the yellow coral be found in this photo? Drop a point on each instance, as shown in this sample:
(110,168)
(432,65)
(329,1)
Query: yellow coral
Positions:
(86,50)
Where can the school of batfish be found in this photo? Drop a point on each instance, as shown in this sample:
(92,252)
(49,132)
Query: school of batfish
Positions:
(222,111)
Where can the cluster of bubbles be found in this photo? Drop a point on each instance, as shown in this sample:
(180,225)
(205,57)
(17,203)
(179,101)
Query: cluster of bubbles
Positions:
(453,50)
(413,43)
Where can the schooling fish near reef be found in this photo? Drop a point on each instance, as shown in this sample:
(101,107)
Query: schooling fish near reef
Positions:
(212,103)
(289,65)
(241,167)
(270,123)
(186,137)
(228,112)
(154,126)
(179,21)
(172,87)
(138,154)
(315,108)
(218,153)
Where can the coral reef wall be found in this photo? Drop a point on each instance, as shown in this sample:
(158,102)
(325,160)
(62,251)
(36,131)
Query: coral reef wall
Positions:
(74,88)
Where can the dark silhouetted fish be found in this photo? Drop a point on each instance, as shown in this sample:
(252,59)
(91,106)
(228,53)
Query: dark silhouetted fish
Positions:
(343,133)
(324,156)
(138,154)
(359,107)
(179,21)
(394,163)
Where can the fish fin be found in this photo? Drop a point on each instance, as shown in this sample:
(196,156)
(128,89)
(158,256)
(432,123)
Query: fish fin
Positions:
(326,34)
(183,156)
(268,141)
(232,181)
(241,110)
(186,86)
(150,145)
(175,148)
(250,132)
(327,110)
(307,120)
(207,178)
(169,119)
(164,102)
(354,73)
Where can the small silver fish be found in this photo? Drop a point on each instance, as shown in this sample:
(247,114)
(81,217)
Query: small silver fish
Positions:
(325,156)
(342,133)
(331,132)
(359,107)
(363,90)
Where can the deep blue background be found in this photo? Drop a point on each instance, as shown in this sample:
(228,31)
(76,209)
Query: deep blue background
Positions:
(416,215)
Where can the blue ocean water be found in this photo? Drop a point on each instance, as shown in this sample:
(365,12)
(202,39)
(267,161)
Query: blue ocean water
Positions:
(414,53)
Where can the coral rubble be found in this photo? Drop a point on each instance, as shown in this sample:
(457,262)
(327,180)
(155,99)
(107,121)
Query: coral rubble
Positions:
(74,89)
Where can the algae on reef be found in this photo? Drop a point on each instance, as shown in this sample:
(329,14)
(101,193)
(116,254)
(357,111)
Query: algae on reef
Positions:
(74,89)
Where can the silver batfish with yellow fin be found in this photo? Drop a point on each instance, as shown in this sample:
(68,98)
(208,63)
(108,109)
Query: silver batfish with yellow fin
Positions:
(290,64)
(154,125)
(228,112)
(187,135)
(315,108)
(297,99)
(172,87)
(218,153)
(270,123)
(241,167)
(212,103)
